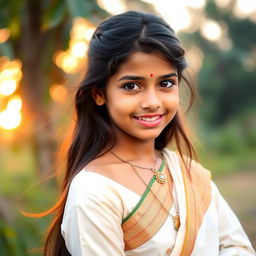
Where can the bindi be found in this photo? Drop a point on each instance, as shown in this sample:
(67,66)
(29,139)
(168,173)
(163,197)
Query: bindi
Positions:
(151,75)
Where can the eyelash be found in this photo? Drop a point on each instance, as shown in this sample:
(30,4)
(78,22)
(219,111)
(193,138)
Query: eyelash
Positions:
(173,83)
(137,84)
(130,83)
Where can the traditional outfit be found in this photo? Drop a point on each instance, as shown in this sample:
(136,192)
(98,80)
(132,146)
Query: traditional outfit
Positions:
(102,217)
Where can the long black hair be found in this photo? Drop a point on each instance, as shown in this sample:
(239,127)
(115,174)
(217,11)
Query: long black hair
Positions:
(114,40)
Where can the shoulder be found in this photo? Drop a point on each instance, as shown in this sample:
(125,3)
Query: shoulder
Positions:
(84,183)
(90,189)
(92,208)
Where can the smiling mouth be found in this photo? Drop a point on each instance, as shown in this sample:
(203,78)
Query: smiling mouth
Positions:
(148,119)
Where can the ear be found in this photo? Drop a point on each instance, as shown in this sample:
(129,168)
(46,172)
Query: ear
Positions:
(98,96)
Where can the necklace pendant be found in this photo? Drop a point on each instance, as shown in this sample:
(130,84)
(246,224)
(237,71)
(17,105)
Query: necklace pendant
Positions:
(176,220)
(160,177)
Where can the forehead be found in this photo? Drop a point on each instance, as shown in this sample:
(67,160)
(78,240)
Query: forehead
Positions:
(141,63)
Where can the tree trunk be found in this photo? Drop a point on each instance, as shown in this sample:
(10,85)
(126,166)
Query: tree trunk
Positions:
(31,50)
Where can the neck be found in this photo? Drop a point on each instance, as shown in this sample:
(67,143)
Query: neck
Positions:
(135,150)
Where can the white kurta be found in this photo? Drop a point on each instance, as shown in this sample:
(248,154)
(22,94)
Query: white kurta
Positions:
(96,206)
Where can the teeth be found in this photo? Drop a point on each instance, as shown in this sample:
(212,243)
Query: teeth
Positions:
(149,119)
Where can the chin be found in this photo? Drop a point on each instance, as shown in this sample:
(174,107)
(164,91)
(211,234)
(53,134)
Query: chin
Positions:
(147,135)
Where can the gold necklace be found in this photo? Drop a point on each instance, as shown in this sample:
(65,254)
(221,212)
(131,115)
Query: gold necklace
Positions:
(160,177)
(161,180)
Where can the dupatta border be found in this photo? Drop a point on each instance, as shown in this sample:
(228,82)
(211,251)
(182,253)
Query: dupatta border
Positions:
(144,195)
(198,197)
(147,220)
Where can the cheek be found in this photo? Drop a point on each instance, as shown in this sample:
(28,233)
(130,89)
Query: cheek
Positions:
(172,102)
(120,108)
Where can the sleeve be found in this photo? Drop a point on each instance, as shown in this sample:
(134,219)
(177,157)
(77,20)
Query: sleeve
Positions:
(92,221)
(232,239)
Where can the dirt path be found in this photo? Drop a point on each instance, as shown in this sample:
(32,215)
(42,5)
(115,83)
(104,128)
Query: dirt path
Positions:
(239,190)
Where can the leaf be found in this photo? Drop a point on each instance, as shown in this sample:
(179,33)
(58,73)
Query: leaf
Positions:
(10,16)
(79,8)
(15,26)
(54,15)
(3,16)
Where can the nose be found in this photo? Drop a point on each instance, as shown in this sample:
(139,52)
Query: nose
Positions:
(150,100)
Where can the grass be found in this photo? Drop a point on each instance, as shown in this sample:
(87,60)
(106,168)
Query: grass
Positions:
(19,191)
(228,163)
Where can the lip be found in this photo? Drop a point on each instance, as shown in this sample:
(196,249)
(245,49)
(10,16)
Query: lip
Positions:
(154,123)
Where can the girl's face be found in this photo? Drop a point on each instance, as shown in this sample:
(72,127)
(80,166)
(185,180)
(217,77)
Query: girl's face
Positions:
(142,97)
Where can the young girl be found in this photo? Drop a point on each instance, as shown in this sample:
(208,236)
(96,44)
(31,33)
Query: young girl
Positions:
(124,192)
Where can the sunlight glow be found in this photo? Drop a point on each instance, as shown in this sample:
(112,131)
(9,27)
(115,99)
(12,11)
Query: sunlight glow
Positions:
(15,103)
(78,48)
(244,8)
(82,29)
(88,34)
(211,30)
(10,119)
(58,58)
(8,87)
(10,73)
(113,6)
(73,58)
(174,12)
(78,31)
(66,61)
(10,76)
(69,64)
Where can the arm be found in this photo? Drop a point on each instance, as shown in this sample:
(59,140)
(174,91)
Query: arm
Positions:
(232,238)
(92,220)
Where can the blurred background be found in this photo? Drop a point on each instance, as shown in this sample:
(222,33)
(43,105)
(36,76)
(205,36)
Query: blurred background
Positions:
(42,59)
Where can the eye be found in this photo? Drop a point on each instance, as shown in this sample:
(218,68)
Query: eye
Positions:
(131,86)
(167,83)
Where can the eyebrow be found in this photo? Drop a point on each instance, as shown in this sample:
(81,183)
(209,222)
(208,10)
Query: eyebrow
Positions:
(128,77)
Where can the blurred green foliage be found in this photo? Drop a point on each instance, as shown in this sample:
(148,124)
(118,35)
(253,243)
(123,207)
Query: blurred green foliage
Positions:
(38,30)
(227,76)
(21,235)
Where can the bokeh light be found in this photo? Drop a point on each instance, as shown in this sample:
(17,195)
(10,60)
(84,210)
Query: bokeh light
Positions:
(113,6)
(58,92)
(8,87)
(4,34)
(244,8)
(11,117)
(72,59)
(10,76)
(179,19)
(78,48)
(15,103)
(211,30)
